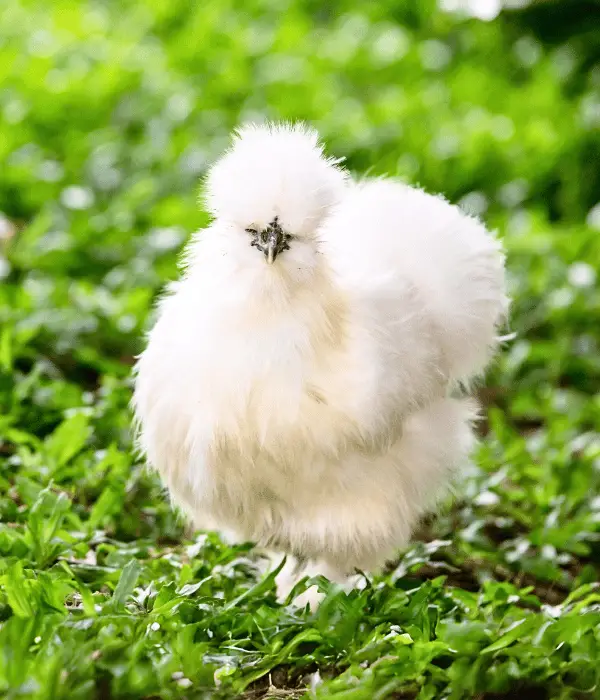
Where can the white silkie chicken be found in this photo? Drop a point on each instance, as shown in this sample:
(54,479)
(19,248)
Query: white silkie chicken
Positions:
(296,387)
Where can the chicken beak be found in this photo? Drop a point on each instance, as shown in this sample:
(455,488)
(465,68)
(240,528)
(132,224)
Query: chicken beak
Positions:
(272,247)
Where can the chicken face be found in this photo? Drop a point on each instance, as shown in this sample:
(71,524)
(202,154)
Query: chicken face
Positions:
(271,240)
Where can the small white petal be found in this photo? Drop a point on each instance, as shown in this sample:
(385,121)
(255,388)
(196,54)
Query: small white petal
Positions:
(582,275)
(75,197)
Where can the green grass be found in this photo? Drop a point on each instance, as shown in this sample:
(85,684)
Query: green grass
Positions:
(109,113)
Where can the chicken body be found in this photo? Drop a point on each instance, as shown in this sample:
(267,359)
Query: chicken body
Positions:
(307,404)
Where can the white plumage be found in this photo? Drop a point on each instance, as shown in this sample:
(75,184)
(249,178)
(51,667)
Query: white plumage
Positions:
(306,404)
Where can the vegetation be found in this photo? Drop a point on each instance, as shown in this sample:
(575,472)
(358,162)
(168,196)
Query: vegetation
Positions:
(110,111)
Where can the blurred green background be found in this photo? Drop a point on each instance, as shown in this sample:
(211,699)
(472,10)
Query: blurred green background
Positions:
(110,112)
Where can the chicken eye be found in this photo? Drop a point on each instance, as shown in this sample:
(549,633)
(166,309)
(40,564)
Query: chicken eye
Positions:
(251,230)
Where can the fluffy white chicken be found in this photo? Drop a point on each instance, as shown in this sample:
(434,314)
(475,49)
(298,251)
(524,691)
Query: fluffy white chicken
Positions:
(297,386)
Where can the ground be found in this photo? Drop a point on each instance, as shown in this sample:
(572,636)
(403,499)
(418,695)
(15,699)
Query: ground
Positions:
(109,113)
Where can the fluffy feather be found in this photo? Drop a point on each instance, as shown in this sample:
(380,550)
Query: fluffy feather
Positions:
(274,170)
(306,405)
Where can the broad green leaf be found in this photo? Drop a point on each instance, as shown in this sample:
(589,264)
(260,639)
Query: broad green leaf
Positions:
(68,439)
(19,591)
(126,584)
